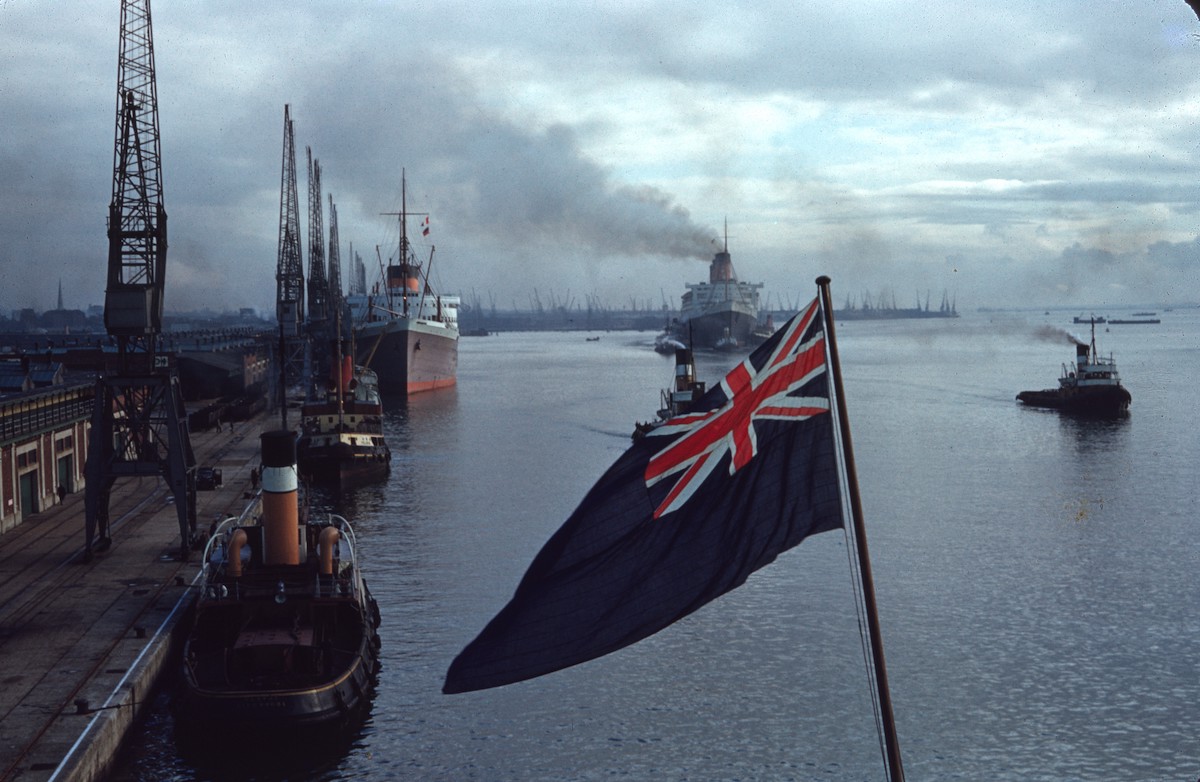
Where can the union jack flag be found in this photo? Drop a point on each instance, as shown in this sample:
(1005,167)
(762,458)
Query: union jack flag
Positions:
(663,531)
(751,394)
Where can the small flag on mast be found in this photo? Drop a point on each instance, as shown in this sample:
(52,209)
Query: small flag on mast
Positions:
(684,516)
(425,227)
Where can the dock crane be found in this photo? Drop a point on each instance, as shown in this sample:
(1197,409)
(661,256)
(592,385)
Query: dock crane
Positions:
(289,272)
(319,315)
(139,426)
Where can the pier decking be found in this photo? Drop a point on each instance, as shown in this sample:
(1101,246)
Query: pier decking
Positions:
(82,644)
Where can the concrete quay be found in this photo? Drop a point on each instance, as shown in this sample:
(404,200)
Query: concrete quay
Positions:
(83,644)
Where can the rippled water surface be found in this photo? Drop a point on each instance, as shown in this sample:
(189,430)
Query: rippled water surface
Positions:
(1037,576)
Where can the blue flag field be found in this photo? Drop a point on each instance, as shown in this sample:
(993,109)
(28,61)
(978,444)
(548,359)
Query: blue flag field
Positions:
(682,517)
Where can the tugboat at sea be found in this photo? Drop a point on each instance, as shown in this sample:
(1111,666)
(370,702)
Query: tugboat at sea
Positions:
(1089,387)
(679,398)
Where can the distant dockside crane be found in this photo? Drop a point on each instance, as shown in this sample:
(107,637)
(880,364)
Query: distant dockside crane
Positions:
(139,425)
(289,273)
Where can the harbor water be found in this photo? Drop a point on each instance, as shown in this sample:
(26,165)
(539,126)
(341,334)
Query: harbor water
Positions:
(1037,575)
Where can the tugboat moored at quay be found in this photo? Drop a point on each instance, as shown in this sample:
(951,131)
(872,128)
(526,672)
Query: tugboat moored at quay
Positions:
(284,641)
(341,438)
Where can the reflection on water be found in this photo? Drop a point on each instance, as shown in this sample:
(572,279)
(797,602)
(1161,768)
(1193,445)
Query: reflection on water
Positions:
(242,759)
(1091,434)
(1036,577)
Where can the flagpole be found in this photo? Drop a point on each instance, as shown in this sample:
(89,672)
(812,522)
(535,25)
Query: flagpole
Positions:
(890,738)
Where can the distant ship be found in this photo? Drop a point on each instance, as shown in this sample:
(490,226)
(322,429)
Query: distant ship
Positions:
(406,332)
(721,312)
(1090,387)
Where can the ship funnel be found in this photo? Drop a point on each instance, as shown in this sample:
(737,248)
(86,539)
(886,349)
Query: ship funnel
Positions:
(721,268)
(685,369)
(342,374)
(281,519)
(1081,354)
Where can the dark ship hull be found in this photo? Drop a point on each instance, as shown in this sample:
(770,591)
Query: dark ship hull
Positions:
(343,463)
(341,439)
(241,683)
(726,327)
(1106,402)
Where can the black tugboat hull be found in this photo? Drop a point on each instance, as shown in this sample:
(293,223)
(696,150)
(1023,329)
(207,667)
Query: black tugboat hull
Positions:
(1108,402)
(327,711)
(715,330)
(343,464)
(322,710)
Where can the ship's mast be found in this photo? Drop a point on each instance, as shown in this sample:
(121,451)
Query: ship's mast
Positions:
(405,271)
(405,266)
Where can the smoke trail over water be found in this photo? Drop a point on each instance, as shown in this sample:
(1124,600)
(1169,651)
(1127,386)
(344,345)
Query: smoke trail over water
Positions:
(1055,334)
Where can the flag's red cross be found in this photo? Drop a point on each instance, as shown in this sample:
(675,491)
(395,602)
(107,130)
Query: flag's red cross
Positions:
(708,436)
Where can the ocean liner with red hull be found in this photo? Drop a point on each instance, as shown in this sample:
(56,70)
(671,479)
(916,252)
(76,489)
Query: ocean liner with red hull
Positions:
(405,331)
(721,313)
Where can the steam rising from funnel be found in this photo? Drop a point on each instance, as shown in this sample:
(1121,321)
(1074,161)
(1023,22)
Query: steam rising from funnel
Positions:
(1055,334)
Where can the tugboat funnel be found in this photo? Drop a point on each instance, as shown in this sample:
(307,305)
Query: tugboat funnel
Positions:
(685,369)
(281,520)
(1081,355)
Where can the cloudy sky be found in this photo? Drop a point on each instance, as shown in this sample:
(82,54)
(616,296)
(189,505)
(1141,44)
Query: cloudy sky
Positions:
(1017,154)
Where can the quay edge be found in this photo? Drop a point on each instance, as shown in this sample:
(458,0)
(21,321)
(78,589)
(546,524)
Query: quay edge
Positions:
(86,645)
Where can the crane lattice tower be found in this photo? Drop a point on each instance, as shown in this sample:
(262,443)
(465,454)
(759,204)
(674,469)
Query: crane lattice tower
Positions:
(318,287)
(138,422)
(336,300)
(289,270)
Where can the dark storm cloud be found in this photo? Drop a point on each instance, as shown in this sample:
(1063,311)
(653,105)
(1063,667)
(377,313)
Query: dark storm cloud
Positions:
(859,136)
(482,171)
